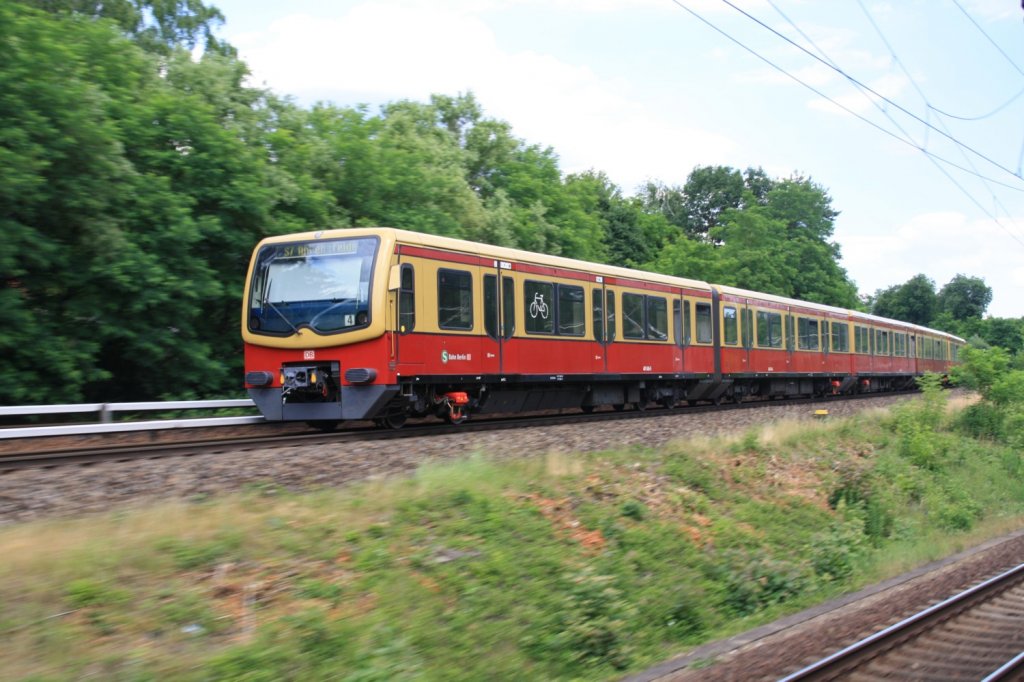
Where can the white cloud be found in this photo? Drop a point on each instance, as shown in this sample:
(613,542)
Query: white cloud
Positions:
(941,245)
(384,51)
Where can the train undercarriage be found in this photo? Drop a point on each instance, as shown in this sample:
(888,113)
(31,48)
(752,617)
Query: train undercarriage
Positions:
(314,394)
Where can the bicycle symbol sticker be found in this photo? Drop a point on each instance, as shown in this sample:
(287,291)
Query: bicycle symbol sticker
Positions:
(538,307)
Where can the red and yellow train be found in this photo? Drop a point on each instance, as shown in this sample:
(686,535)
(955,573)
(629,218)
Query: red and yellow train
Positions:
(384,324)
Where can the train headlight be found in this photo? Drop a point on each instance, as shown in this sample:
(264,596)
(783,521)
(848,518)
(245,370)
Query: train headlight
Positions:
(259,378)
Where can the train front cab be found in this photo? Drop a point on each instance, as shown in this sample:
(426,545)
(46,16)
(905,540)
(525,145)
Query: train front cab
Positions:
(314,324)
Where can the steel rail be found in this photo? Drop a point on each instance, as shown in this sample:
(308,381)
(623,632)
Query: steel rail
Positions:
(126,452)
(857,654)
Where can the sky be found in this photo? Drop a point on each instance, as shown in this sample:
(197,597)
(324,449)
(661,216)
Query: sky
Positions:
(910,113)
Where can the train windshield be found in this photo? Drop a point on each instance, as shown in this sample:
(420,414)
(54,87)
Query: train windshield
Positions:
(322,285)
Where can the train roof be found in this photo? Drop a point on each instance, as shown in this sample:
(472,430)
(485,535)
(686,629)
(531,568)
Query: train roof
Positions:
(519,255)
(819,307)
(499,253)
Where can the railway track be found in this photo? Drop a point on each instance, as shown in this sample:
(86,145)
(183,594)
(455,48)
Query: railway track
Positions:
(41,457)
(977,634)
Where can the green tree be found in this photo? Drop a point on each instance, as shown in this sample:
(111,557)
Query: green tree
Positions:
(913,301)
(708,192)
(98,257)
(632,235)
(965,297)
(158,26)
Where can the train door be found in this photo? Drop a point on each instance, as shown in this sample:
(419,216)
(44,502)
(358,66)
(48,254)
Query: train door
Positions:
(603,307)
(406,350)
(790,340)
(747,334)
(499,317)
(825,343)
(912,357)
(679,333)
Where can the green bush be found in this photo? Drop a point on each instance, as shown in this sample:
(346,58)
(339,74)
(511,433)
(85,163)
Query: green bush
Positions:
(982,420)
(751,583)
(833,554)
(591,626)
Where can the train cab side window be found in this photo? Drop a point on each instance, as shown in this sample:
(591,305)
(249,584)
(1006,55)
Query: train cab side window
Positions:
(730,329)
(407,300)
(807,333)
(704,329)
(572,319)
(454,299)
(632,316)
(539,300)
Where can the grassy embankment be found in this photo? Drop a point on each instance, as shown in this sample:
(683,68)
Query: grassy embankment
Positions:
(561,566)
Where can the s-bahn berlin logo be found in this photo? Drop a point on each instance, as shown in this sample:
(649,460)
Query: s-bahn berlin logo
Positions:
(446,356)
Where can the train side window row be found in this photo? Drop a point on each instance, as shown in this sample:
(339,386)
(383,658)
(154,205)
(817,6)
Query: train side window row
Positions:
(558,309)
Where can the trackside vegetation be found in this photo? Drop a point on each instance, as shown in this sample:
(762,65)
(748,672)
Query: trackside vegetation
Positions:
(561,566)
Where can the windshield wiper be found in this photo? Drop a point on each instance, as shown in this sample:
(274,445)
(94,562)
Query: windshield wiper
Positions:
(281,315)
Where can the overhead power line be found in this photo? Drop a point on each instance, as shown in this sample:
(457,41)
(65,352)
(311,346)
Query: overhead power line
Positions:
(920,91)
(934,158)
(984,33)
(850,78)
(908,142)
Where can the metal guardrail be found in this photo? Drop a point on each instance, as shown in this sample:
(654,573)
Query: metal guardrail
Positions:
(106,413)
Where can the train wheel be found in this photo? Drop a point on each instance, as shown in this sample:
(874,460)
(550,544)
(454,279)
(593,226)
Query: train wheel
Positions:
(455,415)
(668,403)
(587,409)
(619,407)
(393,421)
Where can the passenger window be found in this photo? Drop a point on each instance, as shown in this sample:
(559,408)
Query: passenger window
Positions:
(572,319)
(508,307)
(731,337)
(807,332)
(657,318)
(538,297)
(491,305)
(632,316)
(407,300)
(677,321)
(769,329)
(686,323)
(704,329)
(841,337)
(597,303)
(454,299)
(611,316)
